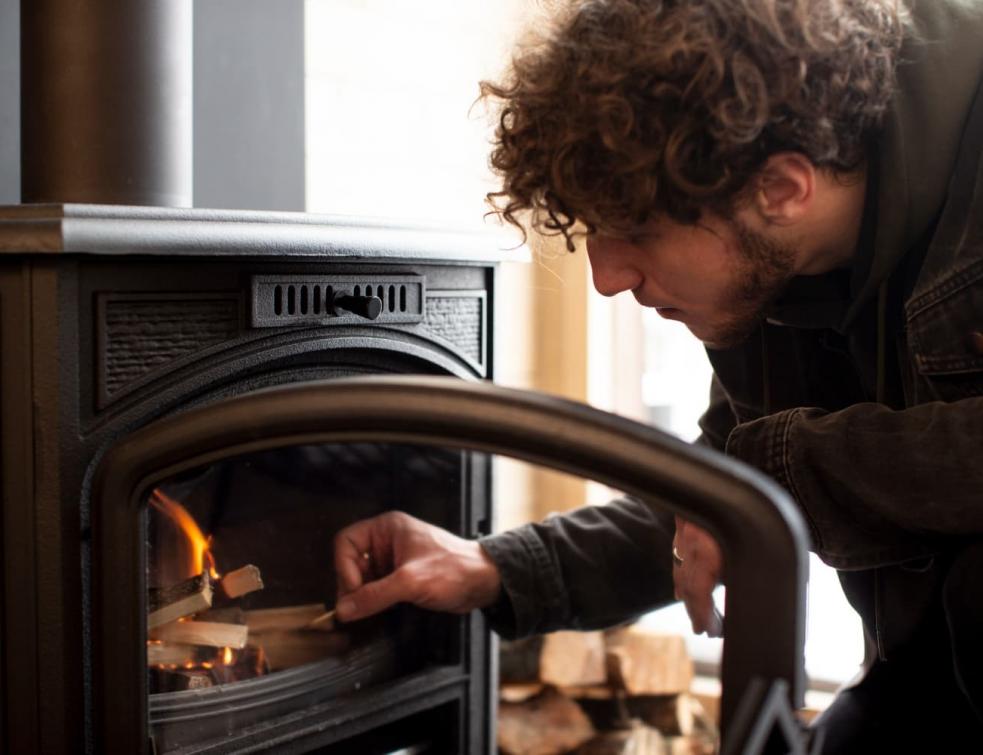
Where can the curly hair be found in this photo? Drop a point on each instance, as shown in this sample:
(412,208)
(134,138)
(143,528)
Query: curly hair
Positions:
(624,110)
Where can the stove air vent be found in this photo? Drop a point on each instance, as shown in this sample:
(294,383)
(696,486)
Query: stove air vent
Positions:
(292,300)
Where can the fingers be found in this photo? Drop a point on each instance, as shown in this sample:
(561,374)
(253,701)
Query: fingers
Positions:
(694,587)
(353,547)
(697,595)
(697,566)
(715,625)
(373,597)
(410,561)
(353,570)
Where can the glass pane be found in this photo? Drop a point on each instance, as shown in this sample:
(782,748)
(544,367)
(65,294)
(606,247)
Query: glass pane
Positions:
(241,584)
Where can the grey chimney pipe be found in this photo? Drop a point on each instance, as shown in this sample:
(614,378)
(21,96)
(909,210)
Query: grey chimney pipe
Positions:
(106,101)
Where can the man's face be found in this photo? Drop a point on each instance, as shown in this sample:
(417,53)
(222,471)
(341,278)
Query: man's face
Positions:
(716,277)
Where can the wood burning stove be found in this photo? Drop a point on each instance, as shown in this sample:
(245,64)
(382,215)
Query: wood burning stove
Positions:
(112,318)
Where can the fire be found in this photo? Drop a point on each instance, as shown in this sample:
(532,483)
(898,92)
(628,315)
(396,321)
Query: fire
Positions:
(200,545)
(227,656)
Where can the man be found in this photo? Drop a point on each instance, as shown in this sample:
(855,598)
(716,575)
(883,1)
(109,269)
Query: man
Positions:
(800,183)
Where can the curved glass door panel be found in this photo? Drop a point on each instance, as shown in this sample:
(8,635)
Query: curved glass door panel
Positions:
(762,536)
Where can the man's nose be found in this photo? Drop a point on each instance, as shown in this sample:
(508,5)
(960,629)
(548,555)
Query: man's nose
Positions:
(611,270)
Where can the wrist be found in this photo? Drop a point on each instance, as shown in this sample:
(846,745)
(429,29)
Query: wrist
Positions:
(487,578)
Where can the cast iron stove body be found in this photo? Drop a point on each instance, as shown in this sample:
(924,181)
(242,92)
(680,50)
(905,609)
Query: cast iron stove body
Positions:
(112,317)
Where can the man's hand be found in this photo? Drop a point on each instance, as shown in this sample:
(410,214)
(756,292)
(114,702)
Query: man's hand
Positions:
(696,568)
(394,558)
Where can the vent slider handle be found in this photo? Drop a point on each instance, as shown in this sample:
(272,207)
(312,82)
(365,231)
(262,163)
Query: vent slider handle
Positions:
(369,307)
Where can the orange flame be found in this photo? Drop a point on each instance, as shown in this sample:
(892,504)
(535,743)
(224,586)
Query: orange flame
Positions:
(200,545)
(227,656)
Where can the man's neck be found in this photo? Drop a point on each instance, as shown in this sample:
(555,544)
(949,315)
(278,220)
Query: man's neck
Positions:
(830,236)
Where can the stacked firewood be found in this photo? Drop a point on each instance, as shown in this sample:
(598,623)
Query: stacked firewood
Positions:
(622,692)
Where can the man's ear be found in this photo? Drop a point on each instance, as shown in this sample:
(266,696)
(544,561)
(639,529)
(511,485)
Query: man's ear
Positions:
(785,188)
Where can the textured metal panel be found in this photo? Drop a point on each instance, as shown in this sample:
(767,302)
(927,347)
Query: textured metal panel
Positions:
(140,333)
(458,317)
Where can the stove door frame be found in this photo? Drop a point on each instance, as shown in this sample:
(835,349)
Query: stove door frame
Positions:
(762,534)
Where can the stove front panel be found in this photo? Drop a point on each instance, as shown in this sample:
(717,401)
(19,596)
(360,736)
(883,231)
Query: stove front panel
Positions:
(97,346)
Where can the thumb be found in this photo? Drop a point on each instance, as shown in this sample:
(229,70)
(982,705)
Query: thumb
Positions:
(372,598)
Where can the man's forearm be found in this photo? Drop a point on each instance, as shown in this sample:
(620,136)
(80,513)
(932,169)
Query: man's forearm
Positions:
(590,568)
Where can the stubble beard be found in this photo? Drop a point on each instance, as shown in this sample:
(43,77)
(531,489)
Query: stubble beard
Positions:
(765,268)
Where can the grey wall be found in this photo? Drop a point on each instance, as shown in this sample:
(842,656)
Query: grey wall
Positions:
(9,102)
(249,104)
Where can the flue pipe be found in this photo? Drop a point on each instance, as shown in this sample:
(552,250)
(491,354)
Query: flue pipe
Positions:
(106,101)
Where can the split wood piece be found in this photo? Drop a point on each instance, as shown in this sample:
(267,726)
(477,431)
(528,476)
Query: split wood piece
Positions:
(223,615)
(672,715)
(547,724)
(592,692)
(695,745)
(170,654)
(518,660)
(709,706)
(242,581)
(284,618)
(642,662)
(208,633)
(518,692)
(606,713)
(678,715)
(572,658)
(180,600)
(284,650)
(638,739)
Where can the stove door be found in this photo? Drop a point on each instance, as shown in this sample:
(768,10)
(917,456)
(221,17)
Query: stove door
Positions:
(270,476)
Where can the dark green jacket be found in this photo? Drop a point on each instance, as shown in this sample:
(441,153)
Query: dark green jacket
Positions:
(862,395)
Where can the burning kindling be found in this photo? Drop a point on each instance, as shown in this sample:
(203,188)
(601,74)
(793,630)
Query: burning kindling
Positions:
(197,633)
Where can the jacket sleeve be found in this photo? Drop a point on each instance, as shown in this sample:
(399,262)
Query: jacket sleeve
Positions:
(877,486)
(590,568)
